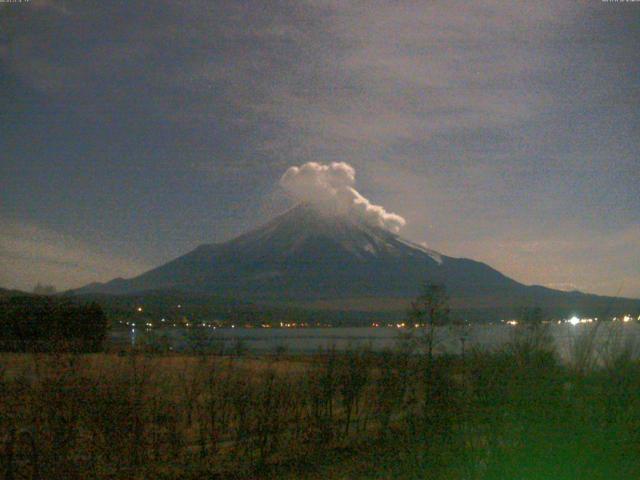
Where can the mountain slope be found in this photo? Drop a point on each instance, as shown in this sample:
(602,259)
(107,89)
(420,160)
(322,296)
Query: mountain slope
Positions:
(305,255)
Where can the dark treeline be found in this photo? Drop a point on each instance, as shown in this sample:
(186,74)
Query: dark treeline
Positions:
(177,306)
(31,323)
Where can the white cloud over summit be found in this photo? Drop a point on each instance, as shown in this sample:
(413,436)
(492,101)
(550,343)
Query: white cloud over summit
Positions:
(331,186)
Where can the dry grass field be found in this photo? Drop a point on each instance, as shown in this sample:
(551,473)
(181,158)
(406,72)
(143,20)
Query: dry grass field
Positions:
(513,413)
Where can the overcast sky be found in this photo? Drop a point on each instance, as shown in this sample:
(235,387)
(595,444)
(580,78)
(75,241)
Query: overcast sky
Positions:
(133,131)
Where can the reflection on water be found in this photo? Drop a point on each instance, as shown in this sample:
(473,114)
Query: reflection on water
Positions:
(566,337)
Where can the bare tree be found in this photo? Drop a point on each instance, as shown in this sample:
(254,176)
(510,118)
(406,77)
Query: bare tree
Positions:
(429,311)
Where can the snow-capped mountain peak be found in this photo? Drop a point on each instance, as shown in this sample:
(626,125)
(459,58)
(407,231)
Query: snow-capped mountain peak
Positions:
(293,231)
(307,254)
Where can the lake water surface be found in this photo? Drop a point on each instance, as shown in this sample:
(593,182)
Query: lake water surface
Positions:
(566,337)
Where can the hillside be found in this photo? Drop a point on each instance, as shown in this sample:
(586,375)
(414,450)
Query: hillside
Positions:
(310,258)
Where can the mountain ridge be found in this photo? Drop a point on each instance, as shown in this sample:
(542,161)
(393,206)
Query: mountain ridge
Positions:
(311,256)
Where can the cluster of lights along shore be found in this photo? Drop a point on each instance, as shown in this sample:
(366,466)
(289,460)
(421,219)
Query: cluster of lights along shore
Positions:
(185,322)
(574,320)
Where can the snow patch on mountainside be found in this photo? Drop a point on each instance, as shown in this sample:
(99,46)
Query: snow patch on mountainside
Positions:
(435,256)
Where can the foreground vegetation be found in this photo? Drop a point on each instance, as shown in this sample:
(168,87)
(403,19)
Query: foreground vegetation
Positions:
(37,323)
(515,413)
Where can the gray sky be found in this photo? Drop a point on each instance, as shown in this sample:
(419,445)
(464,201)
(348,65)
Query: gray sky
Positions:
(507,132)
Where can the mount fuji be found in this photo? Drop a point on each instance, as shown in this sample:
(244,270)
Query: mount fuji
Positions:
(312,258)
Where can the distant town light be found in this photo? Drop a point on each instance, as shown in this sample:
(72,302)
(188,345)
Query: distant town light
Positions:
(139,309)
(574,320)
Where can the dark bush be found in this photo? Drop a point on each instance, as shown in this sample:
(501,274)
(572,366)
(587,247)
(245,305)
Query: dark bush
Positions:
(38,323)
